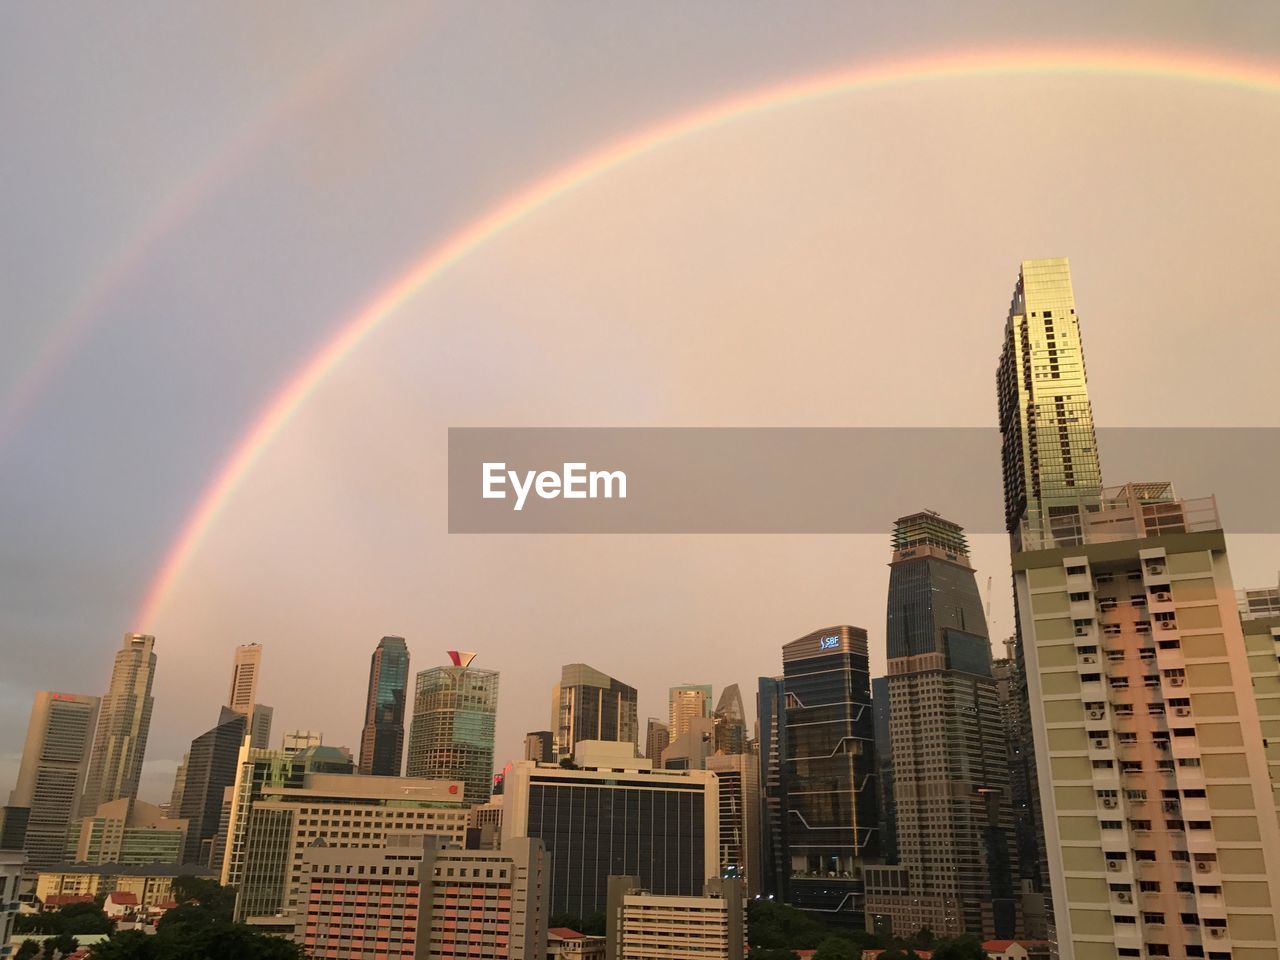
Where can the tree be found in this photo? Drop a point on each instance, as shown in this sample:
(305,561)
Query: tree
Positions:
(28,951)
(63,945)
(773,925)
(923,939)
(773,953)
(593,924)
(837,948)
(967,947)
(205,892)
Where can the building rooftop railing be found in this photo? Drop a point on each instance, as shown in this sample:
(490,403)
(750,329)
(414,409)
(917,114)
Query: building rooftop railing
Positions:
(1134,511)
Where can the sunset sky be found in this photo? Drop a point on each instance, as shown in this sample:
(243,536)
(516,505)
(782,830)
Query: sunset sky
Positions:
(198,198)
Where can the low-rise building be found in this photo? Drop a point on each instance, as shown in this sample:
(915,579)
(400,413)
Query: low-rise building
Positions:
(566,944)
(152,883)
(126,831)
(643,926)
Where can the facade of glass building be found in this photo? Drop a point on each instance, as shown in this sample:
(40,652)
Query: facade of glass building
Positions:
(382,739)
(828,773)
(451,737)
(773,736)
(589,705)
(211,768)
(951,786)
(659,825)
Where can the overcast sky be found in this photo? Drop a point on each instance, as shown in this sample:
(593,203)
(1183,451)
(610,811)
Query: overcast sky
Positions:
(194,197)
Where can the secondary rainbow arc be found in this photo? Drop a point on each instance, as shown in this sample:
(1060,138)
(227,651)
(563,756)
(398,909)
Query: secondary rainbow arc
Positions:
(1192,66)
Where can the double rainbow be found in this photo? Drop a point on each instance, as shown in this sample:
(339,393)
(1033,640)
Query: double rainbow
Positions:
(1186,66)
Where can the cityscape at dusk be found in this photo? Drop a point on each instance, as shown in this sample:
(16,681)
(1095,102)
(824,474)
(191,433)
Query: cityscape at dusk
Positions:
(321,641)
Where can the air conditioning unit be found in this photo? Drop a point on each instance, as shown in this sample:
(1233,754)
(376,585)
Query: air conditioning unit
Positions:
(1182,711)
(1202,866)
(1113,866)
(1217,932)
(1089,658)
(1168,625)
(1124,896)
(1095,714)
(1100,743)
(1082,631)
(1164,596)
(1110,803)
(1177,681)
(1155,568)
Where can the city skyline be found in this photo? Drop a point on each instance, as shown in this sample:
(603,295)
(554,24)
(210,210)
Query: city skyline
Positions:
(807,223)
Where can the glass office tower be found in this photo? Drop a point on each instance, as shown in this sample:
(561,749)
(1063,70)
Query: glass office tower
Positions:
(382,741)
(827,773)
(451,737)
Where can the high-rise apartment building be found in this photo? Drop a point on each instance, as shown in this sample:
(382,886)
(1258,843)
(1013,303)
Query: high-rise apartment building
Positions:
(827,773)
(210,770)
(51,777)
(382,740)
(657,737)
(285,821)
(1159,815)
(951,791)
(1262,643)
(418,897)
(738,782)
(1260,602)
(640,925)
(729,721)
(124,720)
(589,705)
(686,703)
(613,813)
(451,737)
(487,904)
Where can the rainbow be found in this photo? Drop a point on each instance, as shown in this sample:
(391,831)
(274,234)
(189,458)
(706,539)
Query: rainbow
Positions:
(1197,67)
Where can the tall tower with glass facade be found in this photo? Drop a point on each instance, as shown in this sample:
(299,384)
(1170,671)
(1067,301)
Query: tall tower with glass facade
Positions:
(827,773)
(124,721)
(451,736)
(382,739)
(954,820)
(589,705)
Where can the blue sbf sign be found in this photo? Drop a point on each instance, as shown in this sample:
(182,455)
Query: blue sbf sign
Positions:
(829,643)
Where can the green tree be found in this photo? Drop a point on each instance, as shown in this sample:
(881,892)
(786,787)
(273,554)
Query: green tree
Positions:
(593,924)
(923,939)
(774,925)
(967,947)
(837,948)
(773,953)
(205,892)
(899,951)
(28,951)
(63,945)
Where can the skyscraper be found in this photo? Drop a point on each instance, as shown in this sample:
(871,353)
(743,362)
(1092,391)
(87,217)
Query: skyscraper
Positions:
(738,777)
(590,705)
(451,737)
(954,820)
(244,678)
(124,720)
(657,737)
(382,742)
(1049,452)
(539,746)
(55,761)
(827,773)
(1159,817)
(613,814)
(772,734)
(691,701)
(210,770)
(729,722)
(1049,449)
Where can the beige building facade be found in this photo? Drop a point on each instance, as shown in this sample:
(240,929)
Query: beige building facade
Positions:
(1159,813)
